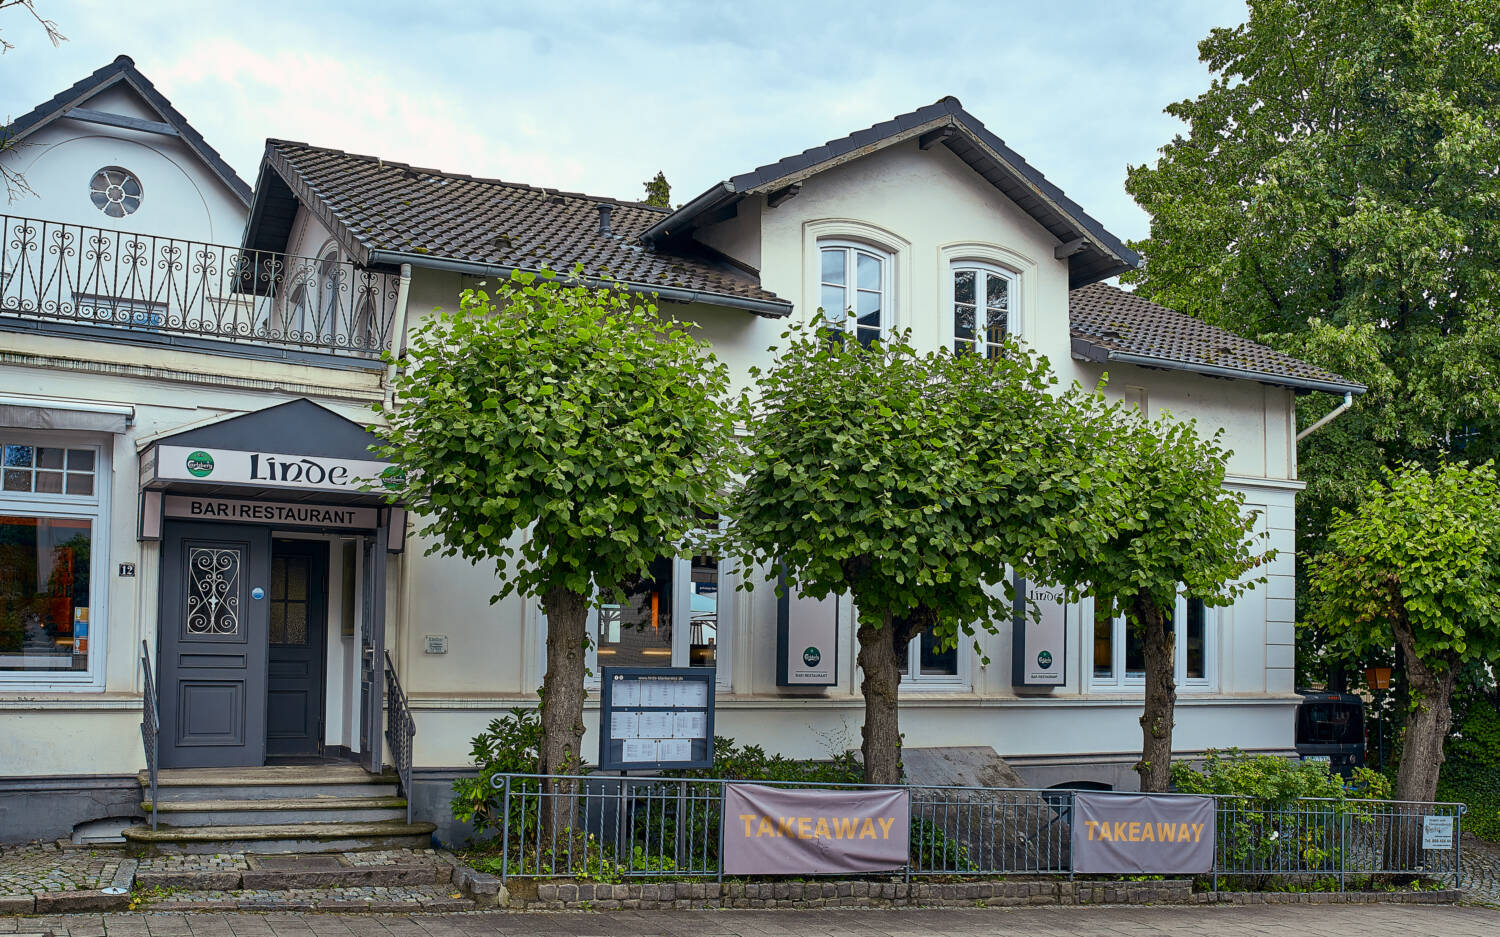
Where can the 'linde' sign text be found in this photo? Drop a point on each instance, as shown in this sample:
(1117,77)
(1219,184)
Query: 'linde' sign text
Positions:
(1142,834)
(269,469)
(782,831)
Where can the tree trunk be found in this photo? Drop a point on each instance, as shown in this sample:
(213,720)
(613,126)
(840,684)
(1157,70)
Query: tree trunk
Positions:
(562,715)
(1155,766)
(881,650)
(1426,729)
(562,688)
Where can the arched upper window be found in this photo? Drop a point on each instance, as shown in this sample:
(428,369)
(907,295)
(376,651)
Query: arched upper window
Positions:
(983,298)
(855,289)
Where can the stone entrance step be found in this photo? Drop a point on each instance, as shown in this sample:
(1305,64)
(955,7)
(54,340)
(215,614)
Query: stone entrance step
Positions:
(203,873)
(281,838)
(277,811)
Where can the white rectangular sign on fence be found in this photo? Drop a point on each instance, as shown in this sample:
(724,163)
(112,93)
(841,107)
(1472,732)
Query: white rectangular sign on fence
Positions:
(1437,832)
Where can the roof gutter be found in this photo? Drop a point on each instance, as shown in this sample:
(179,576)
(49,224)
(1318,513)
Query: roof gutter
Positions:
(775,309)
(715,196)
(1171,364)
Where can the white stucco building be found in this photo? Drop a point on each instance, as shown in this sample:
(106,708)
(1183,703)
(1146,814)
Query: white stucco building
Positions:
(218,421)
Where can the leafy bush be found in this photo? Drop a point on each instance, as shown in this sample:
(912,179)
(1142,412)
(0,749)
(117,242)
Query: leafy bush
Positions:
(1260,832)
(1471,771)
(751,763)
(933,849)
(509,745)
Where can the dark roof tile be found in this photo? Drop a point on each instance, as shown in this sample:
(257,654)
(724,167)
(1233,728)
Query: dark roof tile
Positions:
(1111,324)
(386,206)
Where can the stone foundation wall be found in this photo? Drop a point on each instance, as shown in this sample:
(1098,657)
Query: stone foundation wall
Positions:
(572,895)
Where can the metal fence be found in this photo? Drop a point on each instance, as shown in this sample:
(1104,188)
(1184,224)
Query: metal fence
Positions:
(601,826)
(75,274)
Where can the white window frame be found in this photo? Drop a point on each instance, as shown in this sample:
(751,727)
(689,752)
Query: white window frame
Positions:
(1119,680)
(848,317)
(682,568)
(94,508)
(1012,291)
(915,681)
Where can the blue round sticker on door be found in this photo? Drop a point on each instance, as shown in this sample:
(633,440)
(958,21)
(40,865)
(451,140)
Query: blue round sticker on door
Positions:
(257,593)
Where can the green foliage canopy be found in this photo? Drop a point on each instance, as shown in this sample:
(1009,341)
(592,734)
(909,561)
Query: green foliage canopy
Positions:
(1420,555)
(580,416)
(1335,195)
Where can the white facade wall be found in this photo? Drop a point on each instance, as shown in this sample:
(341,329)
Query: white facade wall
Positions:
(927,209)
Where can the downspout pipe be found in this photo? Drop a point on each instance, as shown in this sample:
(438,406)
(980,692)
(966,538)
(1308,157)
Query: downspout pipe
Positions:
(1328,418)
(398,335)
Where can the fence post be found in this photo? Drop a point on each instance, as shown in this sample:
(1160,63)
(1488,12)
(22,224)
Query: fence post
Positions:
(505,833)
(1343,813)
(723,791)
(1458,847)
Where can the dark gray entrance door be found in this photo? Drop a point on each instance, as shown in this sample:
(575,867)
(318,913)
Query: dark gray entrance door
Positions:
(299,618)
(213,645)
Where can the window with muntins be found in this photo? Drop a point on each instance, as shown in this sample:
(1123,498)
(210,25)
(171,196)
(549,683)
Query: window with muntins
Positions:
(53,539)
(854,289)
(983,296)
(1119,654)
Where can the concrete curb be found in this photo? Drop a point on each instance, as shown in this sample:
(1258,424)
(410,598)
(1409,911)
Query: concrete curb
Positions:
(481,888)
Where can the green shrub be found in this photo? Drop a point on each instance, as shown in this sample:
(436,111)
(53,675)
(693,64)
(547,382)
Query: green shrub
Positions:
(509,745)
(1266,829)
(1471,771)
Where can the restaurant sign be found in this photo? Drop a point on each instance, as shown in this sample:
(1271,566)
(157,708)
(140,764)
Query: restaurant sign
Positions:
(267,469)
(786,831)
(1142,834)
(280,513)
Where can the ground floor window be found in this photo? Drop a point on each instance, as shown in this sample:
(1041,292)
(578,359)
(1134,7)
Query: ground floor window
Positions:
(929,663)
(1119,654)
(675,616)
(51,545)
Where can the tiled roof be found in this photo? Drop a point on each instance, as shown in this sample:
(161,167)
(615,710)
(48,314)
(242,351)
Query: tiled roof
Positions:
(945,121)
(392,212)
(123,69)
(1111,324)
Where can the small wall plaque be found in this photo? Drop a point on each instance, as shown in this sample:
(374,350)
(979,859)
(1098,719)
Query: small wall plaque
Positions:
(127,570)
(437,643)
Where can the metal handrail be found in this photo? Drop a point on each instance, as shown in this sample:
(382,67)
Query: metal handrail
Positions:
(150,727)
(143,284)
(400,729)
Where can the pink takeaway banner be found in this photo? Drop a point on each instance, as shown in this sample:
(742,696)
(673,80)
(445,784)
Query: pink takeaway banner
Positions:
(787,831)
(1142,834)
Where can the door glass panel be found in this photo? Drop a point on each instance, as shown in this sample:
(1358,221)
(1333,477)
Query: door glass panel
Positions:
(638,631)
(703,623)
(213,592)
(289,599)
(44,593)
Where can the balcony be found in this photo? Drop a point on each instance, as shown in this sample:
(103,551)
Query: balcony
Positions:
(119,285)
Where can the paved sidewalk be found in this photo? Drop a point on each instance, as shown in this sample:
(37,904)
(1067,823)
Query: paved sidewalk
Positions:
(1282,921)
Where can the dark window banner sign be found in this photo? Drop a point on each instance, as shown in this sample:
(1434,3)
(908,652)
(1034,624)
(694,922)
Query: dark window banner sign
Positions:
(280,513)
(787,831)
(1143,834)
(1039,646)
(807,638)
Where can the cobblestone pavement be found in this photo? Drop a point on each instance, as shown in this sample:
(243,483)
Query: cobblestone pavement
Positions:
(371,898)
(1283,921)
(45,868)
(1481,866)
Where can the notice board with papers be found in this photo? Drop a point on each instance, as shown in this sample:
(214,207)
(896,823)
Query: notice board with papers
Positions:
(656,718)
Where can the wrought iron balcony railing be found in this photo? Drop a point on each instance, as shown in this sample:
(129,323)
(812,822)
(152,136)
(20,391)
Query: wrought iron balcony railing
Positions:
(55,272)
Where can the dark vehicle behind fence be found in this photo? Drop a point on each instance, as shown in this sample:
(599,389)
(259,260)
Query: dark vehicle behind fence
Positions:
(1331,728)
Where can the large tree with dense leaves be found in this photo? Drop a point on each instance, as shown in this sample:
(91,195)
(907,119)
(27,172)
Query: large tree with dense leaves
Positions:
(569,436)
(913,482)
(1335,194)
(1418,564)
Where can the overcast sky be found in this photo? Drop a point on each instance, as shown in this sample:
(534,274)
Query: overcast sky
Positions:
(598,96)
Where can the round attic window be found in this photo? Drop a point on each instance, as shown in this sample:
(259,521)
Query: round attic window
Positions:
(115,191)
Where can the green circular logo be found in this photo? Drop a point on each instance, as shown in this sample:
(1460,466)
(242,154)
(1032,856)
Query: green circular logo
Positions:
(392,478)
(1044,660)
(811,656)
(200,464)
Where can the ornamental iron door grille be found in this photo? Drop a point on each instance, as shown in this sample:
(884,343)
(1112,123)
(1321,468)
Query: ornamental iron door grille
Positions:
(213,601)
